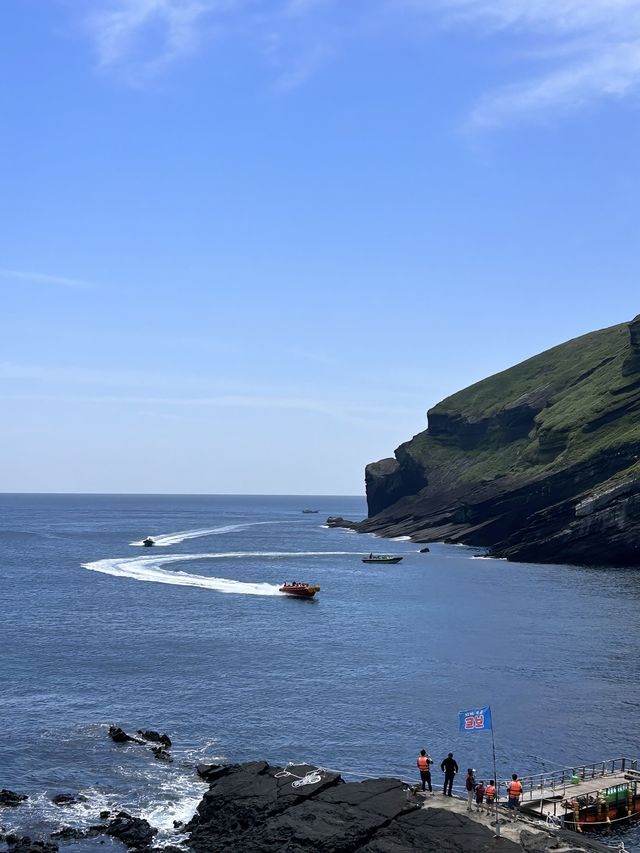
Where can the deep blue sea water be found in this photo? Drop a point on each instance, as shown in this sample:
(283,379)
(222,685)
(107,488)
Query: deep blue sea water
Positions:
(192,638)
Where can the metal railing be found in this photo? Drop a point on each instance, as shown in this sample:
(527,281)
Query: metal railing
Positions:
(558,782)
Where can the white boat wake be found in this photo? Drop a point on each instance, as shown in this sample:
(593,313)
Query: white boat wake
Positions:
(163,540)
(148,569)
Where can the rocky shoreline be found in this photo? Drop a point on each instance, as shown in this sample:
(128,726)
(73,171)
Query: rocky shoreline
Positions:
(298,809)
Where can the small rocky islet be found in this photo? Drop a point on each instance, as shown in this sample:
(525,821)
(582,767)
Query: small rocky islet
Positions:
(296,809)
(539,463)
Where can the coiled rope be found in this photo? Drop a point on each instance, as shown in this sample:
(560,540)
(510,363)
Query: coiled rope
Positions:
(311,778)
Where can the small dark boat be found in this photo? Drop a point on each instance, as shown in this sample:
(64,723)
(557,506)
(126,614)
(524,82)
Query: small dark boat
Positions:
(148,542)
(307,511)
(381,558)
(298,589)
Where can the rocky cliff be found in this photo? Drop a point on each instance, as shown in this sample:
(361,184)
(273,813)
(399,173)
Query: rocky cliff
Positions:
(537,463)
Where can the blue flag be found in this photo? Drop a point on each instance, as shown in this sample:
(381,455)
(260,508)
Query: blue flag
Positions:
(475,720)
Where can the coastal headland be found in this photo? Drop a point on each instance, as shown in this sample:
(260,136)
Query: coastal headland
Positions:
(539,463)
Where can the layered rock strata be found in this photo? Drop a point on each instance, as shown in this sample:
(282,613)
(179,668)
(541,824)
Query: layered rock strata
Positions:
(538,463)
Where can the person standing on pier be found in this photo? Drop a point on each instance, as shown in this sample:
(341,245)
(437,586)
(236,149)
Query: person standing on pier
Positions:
(449,767)
(470,785)
(514,790)
(480,792)
(424,763)
(491,795)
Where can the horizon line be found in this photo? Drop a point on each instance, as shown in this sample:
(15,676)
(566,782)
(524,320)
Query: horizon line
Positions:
(193,494)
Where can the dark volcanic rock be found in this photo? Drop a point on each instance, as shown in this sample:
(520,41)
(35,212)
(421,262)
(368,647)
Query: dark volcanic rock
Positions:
(539,463)
(10,798)
(339,521)
(156,737)
(132,831)
(433,830)
(243,800)
(72,833)
(66,800)
(27,845)
(210,772)
(160,753)
(120,736)
(255,807)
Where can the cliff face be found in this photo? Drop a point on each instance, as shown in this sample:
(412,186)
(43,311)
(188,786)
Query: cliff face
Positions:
(538,463)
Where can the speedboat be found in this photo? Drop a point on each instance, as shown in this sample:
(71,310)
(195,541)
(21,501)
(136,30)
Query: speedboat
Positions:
(148,542)
(307,511)
(381,558)
(299,589)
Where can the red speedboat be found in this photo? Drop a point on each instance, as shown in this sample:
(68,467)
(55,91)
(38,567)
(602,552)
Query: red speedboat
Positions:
(298,589)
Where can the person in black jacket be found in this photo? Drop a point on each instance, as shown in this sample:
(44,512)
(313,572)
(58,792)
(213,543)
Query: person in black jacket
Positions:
(449,767)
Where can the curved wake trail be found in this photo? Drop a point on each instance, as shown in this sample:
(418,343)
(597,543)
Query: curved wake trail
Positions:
(163,540)
(148,569)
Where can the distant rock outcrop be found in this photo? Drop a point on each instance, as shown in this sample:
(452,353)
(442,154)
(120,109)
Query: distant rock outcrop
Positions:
(538,463)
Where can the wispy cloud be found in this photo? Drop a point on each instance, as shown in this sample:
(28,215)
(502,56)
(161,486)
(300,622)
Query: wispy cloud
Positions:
(149,33)
(138,39)
(360,413)
(45,279)
(580,50)
(564,53)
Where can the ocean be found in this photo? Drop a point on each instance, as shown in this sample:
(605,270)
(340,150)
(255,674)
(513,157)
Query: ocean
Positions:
(192,638)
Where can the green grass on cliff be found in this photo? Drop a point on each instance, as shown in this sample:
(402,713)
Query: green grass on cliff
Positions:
(558,368)
(588,405)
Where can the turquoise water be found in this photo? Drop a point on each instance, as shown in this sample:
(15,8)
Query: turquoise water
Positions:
(192,637)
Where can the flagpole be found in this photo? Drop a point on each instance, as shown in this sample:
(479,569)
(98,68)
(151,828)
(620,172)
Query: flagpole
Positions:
(495,779)
(480,719)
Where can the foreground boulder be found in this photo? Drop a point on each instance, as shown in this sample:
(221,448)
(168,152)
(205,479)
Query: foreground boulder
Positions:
(256,807)
(119,735)
(67,800)
(133,832)
(155,737)
(10,798)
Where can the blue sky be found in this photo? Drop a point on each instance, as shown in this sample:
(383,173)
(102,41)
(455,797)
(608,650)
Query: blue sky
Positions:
(246,244)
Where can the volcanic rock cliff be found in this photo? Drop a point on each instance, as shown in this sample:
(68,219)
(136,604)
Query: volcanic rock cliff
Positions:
(537,463)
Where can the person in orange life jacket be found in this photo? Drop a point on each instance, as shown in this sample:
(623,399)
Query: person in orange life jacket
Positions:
(490,794)
(480,790)
(424,763)
(470,785)
(514,789)
(449,767)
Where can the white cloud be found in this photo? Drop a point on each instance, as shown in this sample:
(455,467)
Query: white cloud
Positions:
(611,73)
(583,50)
(149,34)
(43,278)
(568,52)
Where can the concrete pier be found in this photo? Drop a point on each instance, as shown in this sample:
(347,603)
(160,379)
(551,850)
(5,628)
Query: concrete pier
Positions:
(512,829)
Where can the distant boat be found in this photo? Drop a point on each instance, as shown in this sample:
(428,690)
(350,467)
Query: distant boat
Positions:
(310,510)
(298,589)
(148,542)
(381,558)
